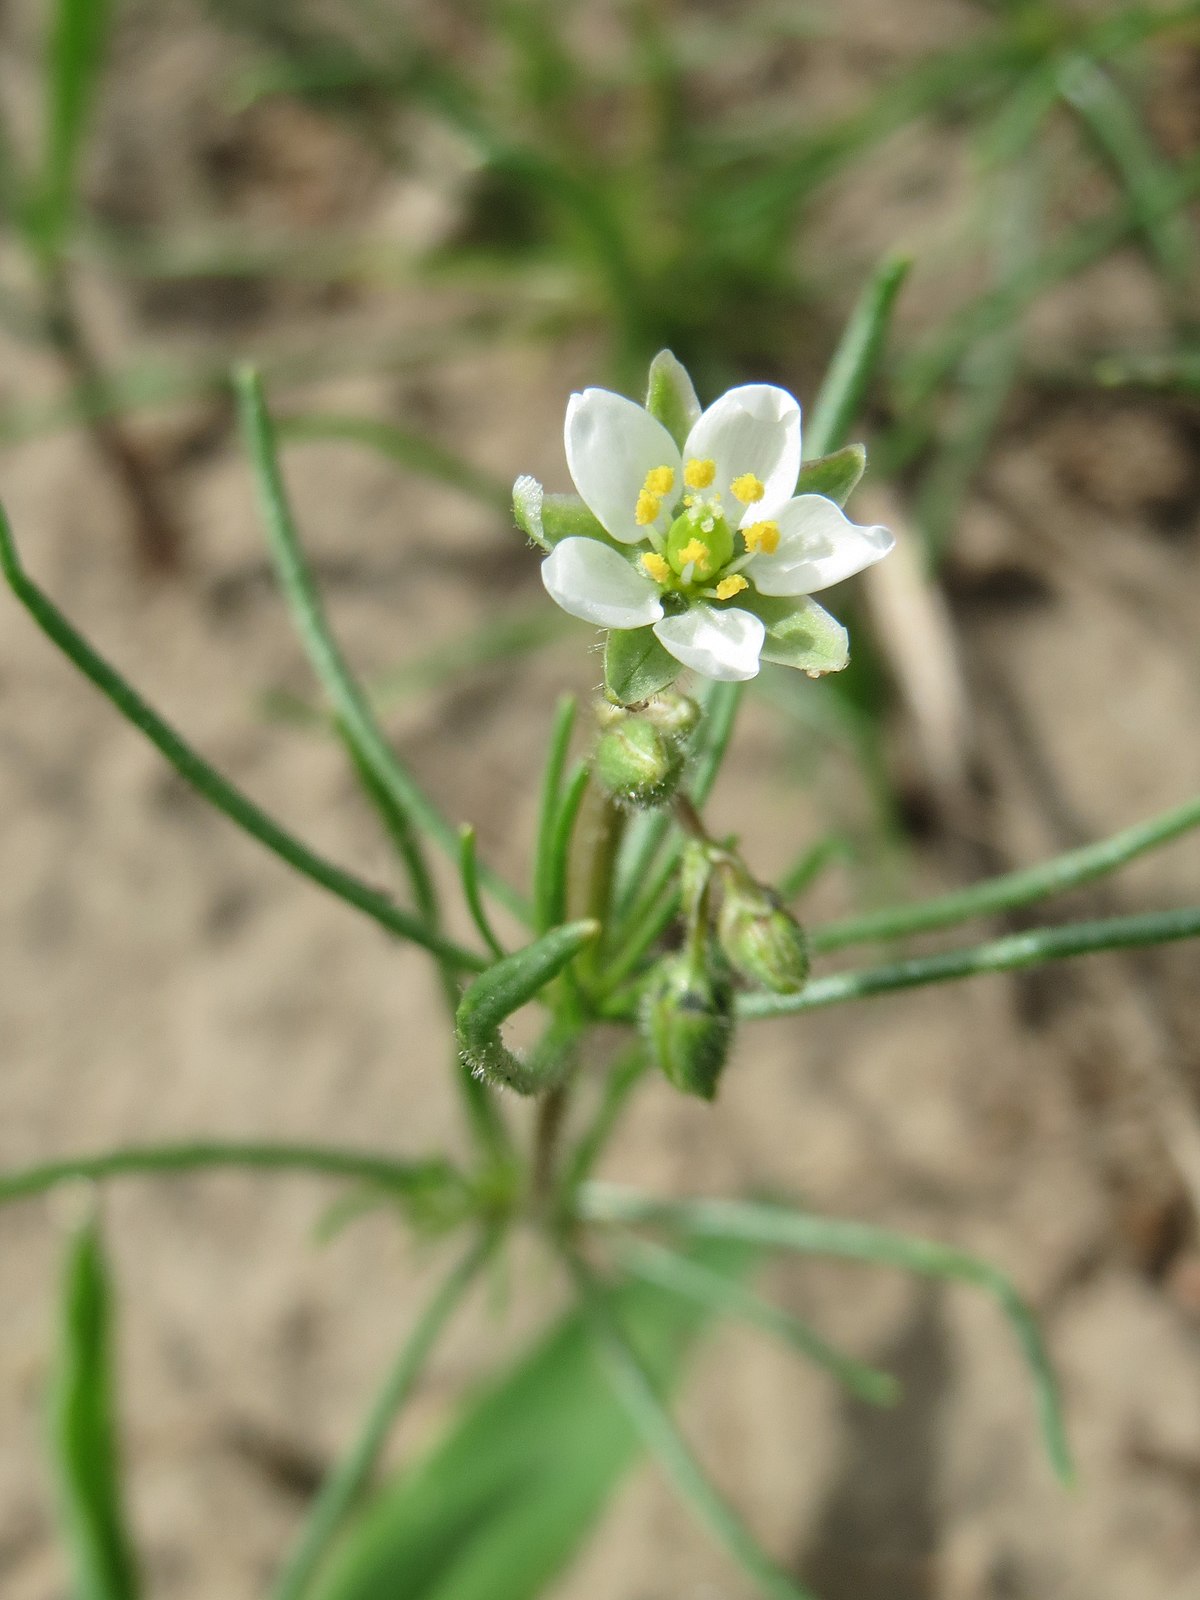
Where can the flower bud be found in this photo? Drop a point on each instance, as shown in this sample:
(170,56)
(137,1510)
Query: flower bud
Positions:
(636,763)
(688,1021)
(760,937)
(675,715)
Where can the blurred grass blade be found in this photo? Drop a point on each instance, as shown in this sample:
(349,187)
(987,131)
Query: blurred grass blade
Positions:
(84,1430)
(812,863)
(349,703)
(504,1501)
(543,865)
(218,791)
(468,866)
(684,1276)
(347,1481)
(422,1181)
(783,1228)
(75,54)
(1113,123)
(635,1389)
(408,449)
(853,363)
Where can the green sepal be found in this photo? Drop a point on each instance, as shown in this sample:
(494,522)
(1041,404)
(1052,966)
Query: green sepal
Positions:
(835,476)
(802,634)
(636,666)
(547,519)
(687,1019)
(671,397)
(505,987)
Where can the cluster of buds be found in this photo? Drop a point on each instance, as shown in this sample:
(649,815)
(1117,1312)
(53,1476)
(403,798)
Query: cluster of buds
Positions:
(640,753)
(736,928)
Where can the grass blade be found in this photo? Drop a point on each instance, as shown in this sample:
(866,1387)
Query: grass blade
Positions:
(218,791)
(544,888)
(75,55)
(782,1227)
(468,866)
(84,1430)
(853,364)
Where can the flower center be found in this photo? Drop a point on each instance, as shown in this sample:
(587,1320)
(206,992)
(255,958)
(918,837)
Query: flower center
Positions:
(698,549)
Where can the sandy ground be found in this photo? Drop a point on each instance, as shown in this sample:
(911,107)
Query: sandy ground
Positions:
(163,978)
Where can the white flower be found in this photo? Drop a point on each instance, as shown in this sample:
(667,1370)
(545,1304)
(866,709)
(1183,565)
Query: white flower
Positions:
(691,531)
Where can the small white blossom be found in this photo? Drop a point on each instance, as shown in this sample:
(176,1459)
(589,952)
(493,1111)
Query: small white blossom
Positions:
(692,531)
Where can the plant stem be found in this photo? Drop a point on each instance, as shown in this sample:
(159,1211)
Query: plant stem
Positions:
(218,791)
(1014,888)
(361,1166)
(346,1481)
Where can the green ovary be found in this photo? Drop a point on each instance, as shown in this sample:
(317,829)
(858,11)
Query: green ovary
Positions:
(705,548)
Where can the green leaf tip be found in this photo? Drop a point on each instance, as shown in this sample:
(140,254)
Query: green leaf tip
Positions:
(671,396)
(504,988)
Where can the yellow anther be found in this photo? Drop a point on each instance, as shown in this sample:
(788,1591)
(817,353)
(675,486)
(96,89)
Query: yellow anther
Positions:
(762,538)
(694,550)
(647,508)
(699,474)
(728,587)
(747,488)
(660,480)
(658,567)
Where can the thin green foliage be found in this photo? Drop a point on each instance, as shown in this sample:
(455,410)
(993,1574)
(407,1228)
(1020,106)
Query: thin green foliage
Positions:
(348,1480)
(218,791)
(74,58)
(634,1388)
(546,880)
(501,1503)
(83,1430)
(782,1227)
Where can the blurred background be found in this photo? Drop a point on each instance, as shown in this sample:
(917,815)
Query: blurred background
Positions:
(428,224)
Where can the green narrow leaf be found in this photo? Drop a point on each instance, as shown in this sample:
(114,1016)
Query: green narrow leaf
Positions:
(802,635)
(502,1503)
(787,1228)
(544,885)
(671,396)
(836,476)
(84,1433)
(194,770)
(74,57)
(636,665)
(505,988)
(856,357)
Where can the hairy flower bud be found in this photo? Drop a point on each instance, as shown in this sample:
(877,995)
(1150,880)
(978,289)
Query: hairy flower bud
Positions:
(636,763)
(675,715)
(759,936)
(688,1020)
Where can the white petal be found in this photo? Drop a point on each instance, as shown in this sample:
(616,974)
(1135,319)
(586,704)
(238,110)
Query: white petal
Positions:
(596,583)
(721,644)
(611,445)
(755,428)
(818,545)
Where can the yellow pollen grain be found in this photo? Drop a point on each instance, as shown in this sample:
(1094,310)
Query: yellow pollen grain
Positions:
(657,566)
(762,538)
(728,587)
(647,508)
(660,481)
(695,550)
(747,488)
(699,474)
